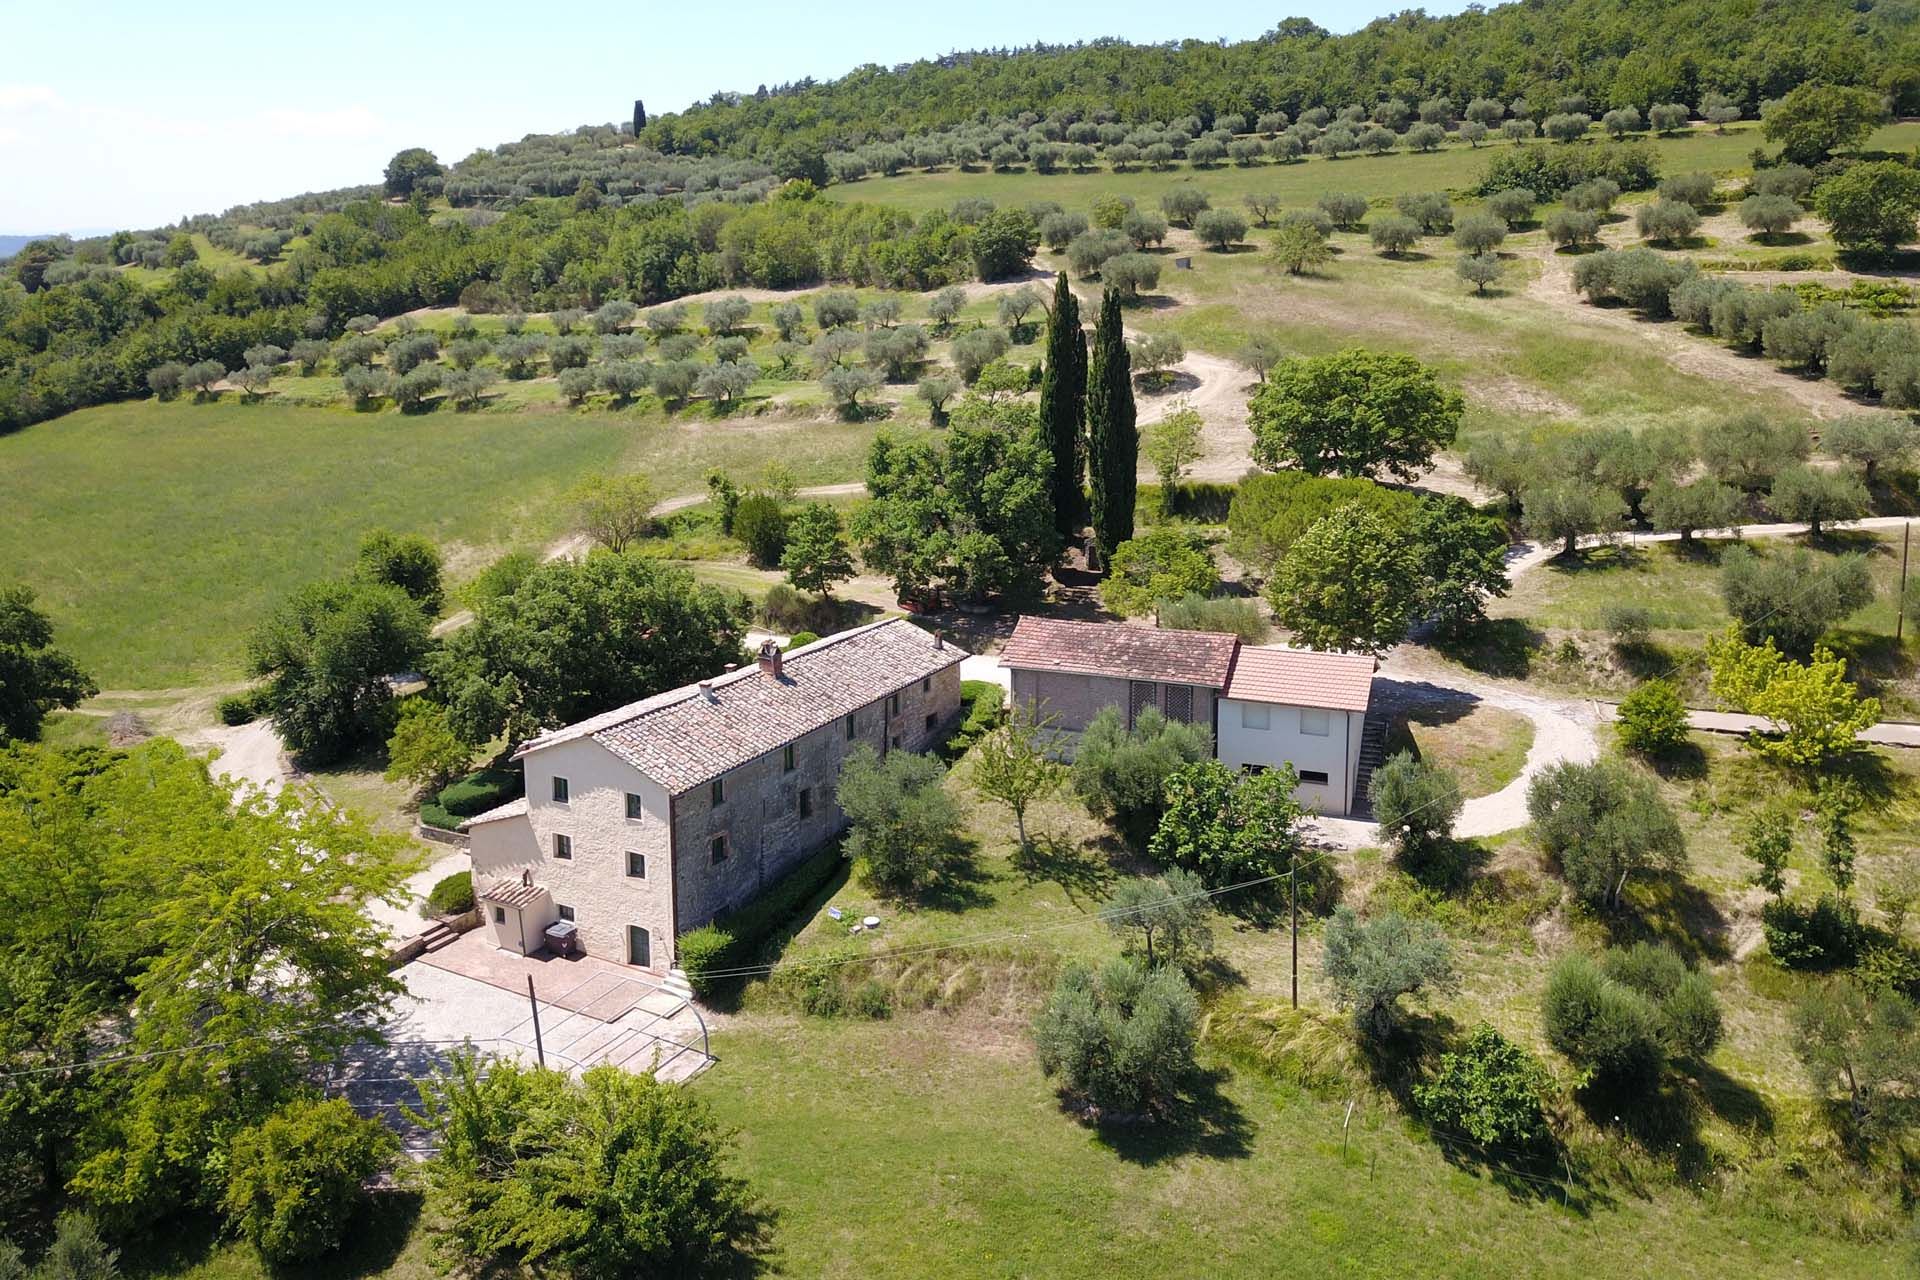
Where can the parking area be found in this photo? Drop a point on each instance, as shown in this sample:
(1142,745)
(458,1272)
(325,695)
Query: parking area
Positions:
(588,1012)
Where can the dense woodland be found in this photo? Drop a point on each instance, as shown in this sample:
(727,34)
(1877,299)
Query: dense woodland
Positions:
(1616,53)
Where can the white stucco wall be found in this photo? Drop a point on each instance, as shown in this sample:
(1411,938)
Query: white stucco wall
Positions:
(1337,754)
(594,882)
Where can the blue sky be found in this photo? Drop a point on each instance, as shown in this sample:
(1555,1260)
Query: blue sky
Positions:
(131,114)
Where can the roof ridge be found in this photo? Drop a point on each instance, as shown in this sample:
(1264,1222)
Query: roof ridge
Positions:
(629,712)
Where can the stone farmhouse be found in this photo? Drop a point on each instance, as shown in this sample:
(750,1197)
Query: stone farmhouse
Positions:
(652,819)
(1267,706)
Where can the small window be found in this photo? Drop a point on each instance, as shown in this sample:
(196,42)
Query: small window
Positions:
(717,849)
(566,912)
(806,802)
(1255,715)
(896,741)
(499,915)
(559,790)
(1314,721)
(636,810)
(637,865)
(717,793)
(786,758)
(926,684)
(849,726)
(563,847)
(1314,776)
(930,721)
(893,704)
(1251,770)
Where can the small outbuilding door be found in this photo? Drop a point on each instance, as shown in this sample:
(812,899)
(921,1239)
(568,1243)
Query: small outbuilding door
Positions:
(639,946)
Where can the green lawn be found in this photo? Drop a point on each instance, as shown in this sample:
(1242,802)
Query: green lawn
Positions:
(1680,590)
(1453,167)
(157,534)
(931,1147)
(1484,748)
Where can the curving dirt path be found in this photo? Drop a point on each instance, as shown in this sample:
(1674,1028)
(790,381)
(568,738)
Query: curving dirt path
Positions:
(1563,728)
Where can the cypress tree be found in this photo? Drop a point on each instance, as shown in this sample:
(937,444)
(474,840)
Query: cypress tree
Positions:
(1113,442)
(1063,406)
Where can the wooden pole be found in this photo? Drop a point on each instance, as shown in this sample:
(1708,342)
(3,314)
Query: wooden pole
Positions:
(1900,600)
(538,1048)
(1293,913)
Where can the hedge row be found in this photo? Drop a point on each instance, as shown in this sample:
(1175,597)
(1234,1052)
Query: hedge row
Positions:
(479,791)
(985,703)
(735,939)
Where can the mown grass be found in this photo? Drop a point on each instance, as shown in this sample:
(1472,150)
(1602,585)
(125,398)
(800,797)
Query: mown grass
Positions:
(1679,588)
(1483,746)
(937,1147)
(1455,166)
(157,534)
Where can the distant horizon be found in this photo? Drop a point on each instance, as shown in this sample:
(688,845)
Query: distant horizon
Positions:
(123,140)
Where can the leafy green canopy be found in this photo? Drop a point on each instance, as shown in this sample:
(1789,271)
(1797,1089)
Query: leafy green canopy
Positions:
(572,639)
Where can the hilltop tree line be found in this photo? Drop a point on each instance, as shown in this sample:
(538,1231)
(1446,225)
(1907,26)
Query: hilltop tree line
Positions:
(1608,53)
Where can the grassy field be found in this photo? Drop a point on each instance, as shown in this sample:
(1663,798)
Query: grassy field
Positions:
(1453,167)
(1680,591)
(1483,749)
(932,1140)
(156,534)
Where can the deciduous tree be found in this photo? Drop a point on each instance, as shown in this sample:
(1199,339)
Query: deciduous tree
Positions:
(1356,412)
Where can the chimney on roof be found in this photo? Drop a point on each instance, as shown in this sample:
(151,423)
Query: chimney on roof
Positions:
(939,642)
(706,691)
(770,659)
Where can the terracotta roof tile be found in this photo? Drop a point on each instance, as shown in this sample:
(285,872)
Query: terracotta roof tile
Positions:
(513,893)
(511,809)
(1302,678)
(686,737)
(1120,650)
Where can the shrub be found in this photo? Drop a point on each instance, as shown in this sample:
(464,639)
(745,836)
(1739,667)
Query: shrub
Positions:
(1416,805)
(1607,1029)
(761,525)
(800,638)
(1652,719)
(452,896)
(1488,1091)
(1373,963)
(1688,1012)
(1120,1040)
(903,825)
(479,791)
(295,1180)
(78,1251)
(985,703)
(1823,936)
(628,1176)
(241,708)
(734,940)
(1122,773)
(1230,615)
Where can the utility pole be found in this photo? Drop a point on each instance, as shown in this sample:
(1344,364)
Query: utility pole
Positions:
(539,1050)
(1900,599)
(1293,914)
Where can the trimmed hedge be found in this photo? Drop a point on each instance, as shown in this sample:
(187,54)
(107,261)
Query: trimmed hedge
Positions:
(479,791)
(452,896)
(985,704)
(432,815)
(735,939)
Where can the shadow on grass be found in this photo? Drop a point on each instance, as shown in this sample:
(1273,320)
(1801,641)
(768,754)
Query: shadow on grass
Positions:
(1201,1121)
(1667,907)
(374,1240)
(1078,871)
(959,883)
(1496,647)
(1684,763)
